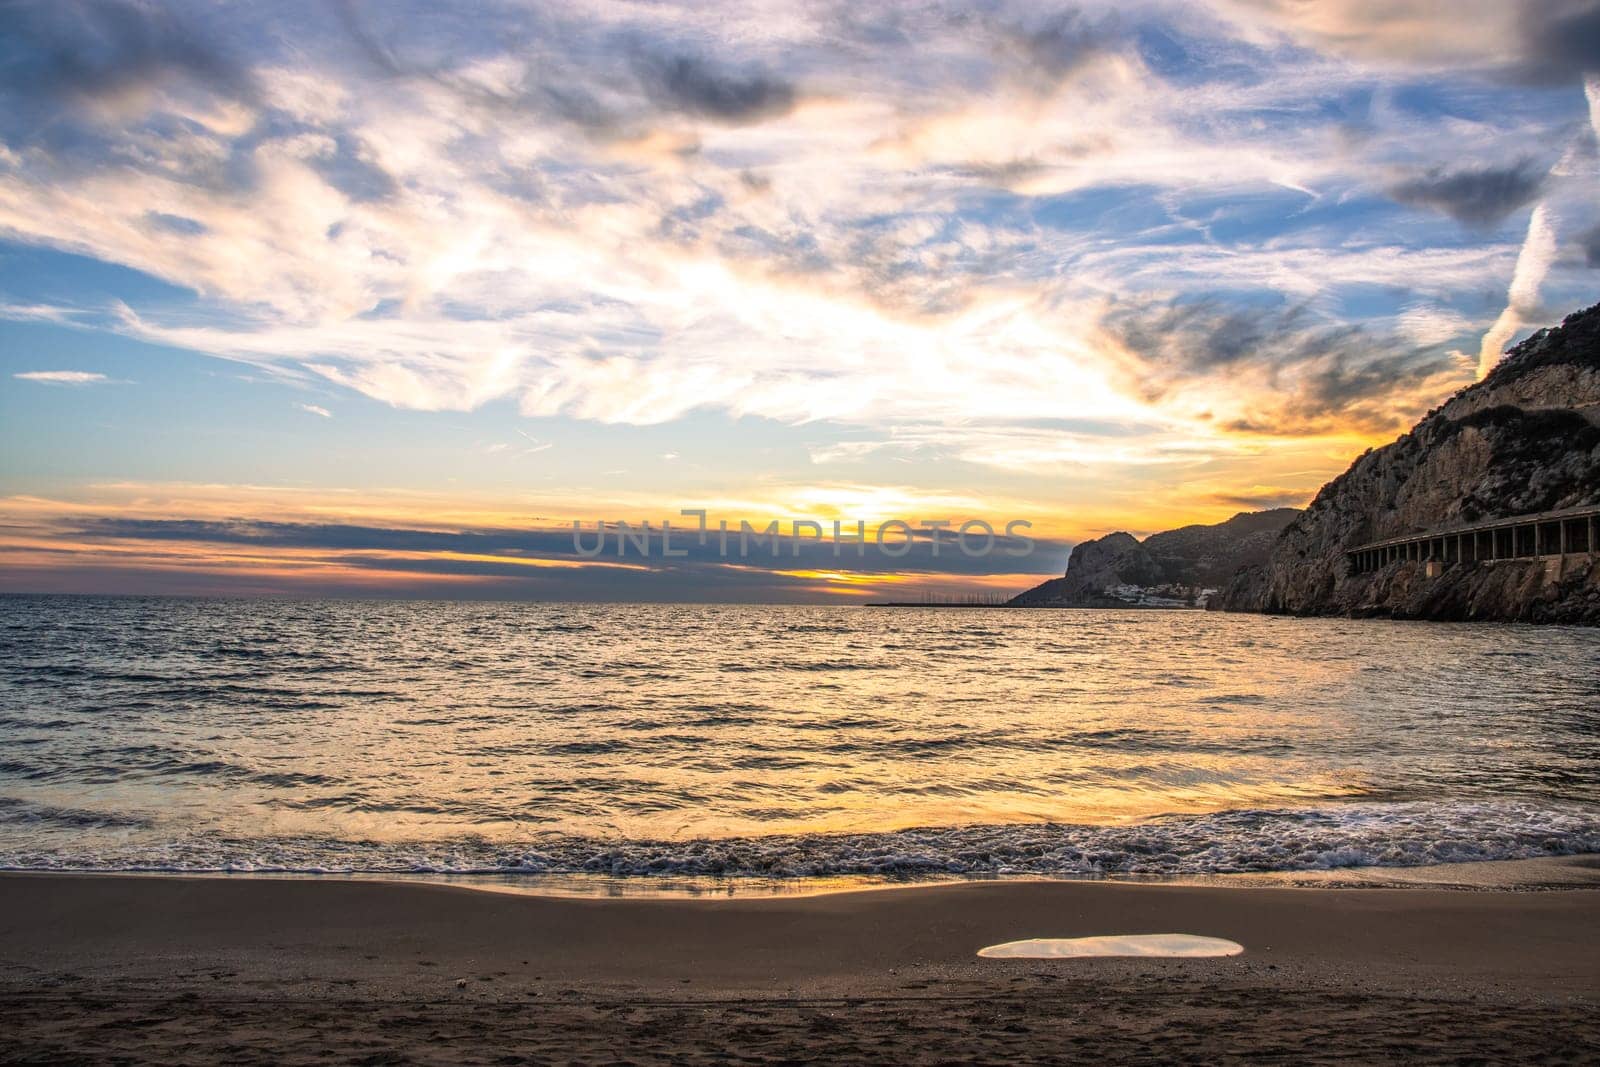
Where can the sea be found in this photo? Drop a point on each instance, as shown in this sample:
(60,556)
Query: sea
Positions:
(714,746)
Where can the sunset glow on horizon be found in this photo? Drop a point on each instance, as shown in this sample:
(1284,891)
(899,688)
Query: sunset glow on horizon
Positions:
(379,300)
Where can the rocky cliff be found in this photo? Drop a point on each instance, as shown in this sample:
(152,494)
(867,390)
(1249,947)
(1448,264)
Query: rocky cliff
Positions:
(1525,439)
(1177,568)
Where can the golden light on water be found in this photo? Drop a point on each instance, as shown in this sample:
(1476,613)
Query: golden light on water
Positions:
(513,721)
(774,742)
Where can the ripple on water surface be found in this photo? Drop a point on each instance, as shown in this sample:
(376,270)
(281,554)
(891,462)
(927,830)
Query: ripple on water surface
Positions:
(783,742)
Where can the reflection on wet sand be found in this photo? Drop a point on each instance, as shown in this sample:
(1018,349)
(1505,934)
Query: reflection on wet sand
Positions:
(1168,946)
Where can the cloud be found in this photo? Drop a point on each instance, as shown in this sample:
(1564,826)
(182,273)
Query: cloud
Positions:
(1526,40)
(93,48)
(1426,325)
(614,83)
(62,53)
(1561,39)
(534,446)
(315,409)
(62,377)
(1522,298)
(1481,197)
(1051,50)
(348,164)
(174,224)
(1589,240)
(551,205)
(1265,498)
(696,87)
(1292,373)
(510,551)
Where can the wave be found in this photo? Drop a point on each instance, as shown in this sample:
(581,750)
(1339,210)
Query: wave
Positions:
(1253,840)
(14,811)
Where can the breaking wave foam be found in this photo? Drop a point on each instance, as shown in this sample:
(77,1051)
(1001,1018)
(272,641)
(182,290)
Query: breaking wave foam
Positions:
(1256,840)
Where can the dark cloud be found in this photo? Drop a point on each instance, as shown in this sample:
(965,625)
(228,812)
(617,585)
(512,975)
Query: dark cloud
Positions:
(1007,175)
(1297,374)
(1265,500)
(1192,337)
(352,169)
(1590,242)
(1064,42)
(70,51)
(792,554)
(1477,197)
(1046,52)
(695,86)
(608,85)
(1540,42)
(1562,39)
(82,82)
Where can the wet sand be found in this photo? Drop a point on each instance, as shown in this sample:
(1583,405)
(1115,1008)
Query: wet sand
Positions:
(197,970)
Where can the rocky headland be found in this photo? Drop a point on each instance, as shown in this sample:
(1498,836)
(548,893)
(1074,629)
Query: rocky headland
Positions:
(1176,569)
(1524,440)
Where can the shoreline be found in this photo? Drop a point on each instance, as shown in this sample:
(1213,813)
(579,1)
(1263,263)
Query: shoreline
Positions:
(1539,874)
(185,969)
(1504,876)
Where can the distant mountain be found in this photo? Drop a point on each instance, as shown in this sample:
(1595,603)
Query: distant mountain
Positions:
(1177,568)
(1526,439)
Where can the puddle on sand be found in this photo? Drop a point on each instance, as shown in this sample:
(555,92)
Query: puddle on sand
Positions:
(1162,945)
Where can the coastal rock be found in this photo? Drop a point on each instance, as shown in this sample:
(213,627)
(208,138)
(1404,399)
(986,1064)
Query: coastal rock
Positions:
(1177,568)
(1525,439)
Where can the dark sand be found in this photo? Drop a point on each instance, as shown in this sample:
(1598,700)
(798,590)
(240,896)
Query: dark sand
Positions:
(203,970)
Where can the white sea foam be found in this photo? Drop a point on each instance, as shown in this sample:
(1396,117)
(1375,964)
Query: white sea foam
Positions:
(1313,839)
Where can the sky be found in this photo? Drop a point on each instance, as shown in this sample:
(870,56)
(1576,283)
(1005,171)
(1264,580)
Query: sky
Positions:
(379,299)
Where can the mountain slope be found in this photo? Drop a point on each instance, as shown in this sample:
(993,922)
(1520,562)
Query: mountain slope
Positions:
(1525,439)
(1171,569)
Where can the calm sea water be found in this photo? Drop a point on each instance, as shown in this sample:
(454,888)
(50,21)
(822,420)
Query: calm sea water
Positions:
(161,734)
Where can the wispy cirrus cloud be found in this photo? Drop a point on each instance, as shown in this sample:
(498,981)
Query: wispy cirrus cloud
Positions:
(62,377)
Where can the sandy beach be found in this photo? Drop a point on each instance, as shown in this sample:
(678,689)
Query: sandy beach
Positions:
(197,970)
